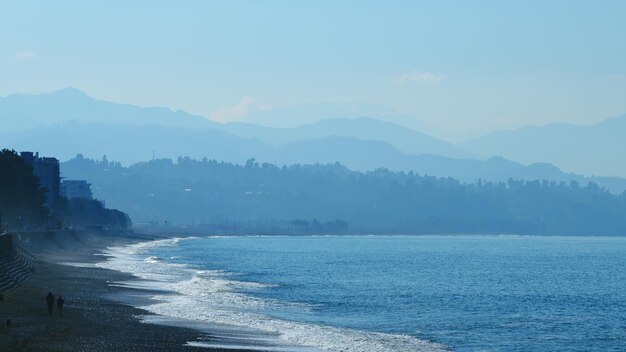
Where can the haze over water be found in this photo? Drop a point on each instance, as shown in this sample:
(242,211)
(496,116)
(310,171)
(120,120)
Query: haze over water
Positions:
(503,293)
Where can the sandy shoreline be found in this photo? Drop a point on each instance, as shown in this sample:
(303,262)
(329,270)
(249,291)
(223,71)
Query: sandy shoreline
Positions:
(92,320)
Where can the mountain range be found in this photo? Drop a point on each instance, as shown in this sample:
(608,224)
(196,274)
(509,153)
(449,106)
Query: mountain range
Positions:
(596,149)
(69,122)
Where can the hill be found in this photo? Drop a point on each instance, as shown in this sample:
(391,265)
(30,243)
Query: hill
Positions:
(21,112)
(405,139)
(69,122)
(132,143)
(27,111)
(596,149)
(330,198)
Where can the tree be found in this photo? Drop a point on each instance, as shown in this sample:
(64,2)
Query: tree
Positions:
(21,198)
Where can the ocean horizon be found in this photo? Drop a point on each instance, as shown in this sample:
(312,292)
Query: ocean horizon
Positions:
(387,293)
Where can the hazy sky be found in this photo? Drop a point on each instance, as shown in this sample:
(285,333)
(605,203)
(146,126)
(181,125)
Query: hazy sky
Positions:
(466,66)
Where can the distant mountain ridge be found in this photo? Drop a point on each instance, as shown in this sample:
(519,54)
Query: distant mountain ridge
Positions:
(69,122)
(596,149)
(405,139)
(25,111)
(132,143)
(28,111)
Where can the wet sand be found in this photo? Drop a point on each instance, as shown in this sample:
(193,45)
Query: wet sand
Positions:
(92,321)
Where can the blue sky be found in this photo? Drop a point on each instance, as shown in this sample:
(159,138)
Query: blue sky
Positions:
(463,68)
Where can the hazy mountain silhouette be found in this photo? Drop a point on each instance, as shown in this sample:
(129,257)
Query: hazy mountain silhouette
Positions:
(68,122)
(405,139)
(596,149)
(132,143)
(368,155)
(294,115)
(23,111)
(27,111)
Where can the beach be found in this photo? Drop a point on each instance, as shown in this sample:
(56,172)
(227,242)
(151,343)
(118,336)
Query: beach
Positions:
(92,320)
(244,293)
(392,293)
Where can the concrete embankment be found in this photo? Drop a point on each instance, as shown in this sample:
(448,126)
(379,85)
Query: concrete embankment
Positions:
(16,264)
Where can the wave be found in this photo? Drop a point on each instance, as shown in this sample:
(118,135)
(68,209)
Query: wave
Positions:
(214,297)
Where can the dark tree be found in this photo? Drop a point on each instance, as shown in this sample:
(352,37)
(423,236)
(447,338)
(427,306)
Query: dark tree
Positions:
(21,197)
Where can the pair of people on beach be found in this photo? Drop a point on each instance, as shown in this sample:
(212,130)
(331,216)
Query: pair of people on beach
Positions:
(60,302)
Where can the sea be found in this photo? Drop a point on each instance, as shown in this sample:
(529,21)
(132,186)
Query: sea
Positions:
(386,293)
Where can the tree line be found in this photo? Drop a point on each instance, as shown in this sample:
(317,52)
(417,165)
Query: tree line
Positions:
(330,198)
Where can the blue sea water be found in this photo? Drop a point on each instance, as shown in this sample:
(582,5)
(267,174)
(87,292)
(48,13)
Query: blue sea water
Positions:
(469,293)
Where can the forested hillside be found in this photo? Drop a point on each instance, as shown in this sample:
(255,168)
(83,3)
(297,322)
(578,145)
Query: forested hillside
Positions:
(331,198)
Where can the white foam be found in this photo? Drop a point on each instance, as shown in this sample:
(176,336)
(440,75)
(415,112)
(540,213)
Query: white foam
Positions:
(244,347)
(213,296)
(152,259)
(139,285)
(79,264)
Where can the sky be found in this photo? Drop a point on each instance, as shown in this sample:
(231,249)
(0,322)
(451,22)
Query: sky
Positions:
(461,68)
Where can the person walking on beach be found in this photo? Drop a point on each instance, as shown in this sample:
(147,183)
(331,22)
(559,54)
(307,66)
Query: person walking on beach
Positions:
(50,301)
(60,303)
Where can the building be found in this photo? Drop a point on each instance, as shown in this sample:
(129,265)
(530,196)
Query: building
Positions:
(72,189)
(47,170)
